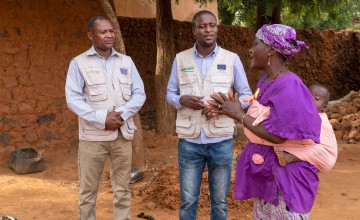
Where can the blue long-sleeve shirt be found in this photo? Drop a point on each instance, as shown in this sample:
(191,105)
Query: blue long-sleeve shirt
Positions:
(241,86)
(76,100)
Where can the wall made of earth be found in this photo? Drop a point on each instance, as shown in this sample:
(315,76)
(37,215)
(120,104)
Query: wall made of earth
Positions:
(38,39)
(181,10)
(332,58)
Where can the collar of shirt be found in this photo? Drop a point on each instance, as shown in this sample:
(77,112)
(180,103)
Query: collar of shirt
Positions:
(92,52)
(106,64)
(213,53)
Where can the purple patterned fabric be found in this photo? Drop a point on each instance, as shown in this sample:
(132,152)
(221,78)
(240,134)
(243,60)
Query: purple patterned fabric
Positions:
(282,38)
(293,115)
(266,210)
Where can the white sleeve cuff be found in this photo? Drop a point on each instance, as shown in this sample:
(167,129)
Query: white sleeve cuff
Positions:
(124,114)
(176,102)
(100,119)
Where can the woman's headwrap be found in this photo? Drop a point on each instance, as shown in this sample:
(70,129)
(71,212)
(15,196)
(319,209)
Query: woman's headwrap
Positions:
(282,38)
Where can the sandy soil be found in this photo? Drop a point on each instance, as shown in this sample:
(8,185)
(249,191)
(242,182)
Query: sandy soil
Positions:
(52,194)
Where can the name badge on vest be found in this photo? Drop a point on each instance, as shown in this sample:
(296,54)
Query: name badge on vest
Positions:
(92,71)
(124,71)
(188,69)
(221,67)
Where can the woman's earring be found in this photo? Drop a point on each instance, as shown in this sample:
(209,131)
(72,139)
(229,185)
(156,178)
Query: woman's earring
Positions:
(268,63)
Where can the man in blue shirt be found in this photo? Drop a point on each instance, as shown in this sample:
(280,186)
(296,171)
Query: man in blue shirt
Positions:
(196,74)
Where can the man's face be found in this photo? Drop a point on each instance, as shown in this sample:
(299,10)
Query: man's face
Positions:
(206,30)
(102,35)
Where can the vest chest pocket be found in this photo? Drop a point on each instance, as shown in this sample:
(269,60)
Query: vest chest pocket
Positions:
(96,84)
(125,86)
(93,76)
(97,93)
(187,84)
(222,89)
(220,83)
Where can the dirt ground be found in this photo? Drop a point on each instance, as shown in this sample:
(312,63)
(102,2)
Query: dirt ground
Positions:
(52,194)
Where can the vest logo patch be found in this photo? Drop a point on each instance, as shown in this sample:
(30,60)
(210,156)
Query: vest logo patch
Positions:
(123,71)
(95,72)
(221,67)
(189,69)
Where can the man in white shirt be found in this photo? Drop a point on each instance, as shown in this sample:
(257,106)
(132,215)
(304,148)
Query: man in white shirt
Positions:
(104,88)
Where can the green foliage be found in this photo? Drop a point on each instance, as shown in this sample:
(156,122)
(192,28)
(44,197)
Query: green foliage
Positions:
(226,14)
(202,2)
(319,14)
(238,10)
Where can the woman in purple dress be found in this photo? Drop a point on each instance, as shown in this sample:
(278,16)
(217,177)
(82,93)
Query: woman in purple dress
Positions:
(280,192)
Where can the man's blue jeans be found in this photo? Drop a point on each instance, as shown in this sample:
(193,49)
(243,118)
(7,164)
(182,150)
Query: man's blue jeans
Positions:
(192,159)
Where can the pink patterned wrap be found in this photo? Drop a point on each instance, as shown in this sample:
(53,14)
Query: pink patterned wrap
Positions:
(322,155)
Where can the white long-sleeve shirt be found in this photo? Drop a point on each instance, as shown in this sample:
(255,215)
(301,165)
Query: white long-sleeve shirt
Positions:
(76,101)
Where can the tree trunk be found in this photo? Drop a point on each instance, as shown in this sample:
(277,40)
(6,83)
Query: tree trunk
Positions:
(275,16)
(138,150)
(260,15)
(108,7)
(138,155)
(165,114)
(262,18)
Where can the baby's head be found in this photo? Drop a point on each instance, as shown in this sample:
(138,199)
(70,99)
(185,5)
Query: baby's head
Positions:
(321,96)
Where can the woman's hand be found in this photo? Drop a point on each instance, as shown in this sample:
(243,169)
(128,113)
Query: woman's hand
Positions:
(231,107)
(222,105)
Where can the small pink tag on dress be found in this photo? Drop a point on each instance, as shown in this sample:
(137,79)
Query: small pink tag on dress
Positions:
(257,159)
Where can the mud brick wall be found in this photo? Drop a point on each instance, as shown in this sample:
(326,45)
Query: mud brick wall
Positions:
(332,58)
(38,39)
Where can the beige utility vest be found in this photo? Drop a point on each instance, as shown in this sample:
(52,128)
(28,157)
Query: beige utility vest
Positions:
(105,94)
(219,78)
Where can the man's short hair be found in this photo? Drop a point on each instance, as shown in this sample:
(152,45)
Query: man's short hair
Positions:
(92,21)
(198,14)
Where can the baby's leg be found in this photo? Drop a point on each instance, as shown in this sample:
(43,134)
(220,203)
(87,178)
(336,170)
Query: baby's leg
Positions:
(281,158)
(284,158)
(290,157)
